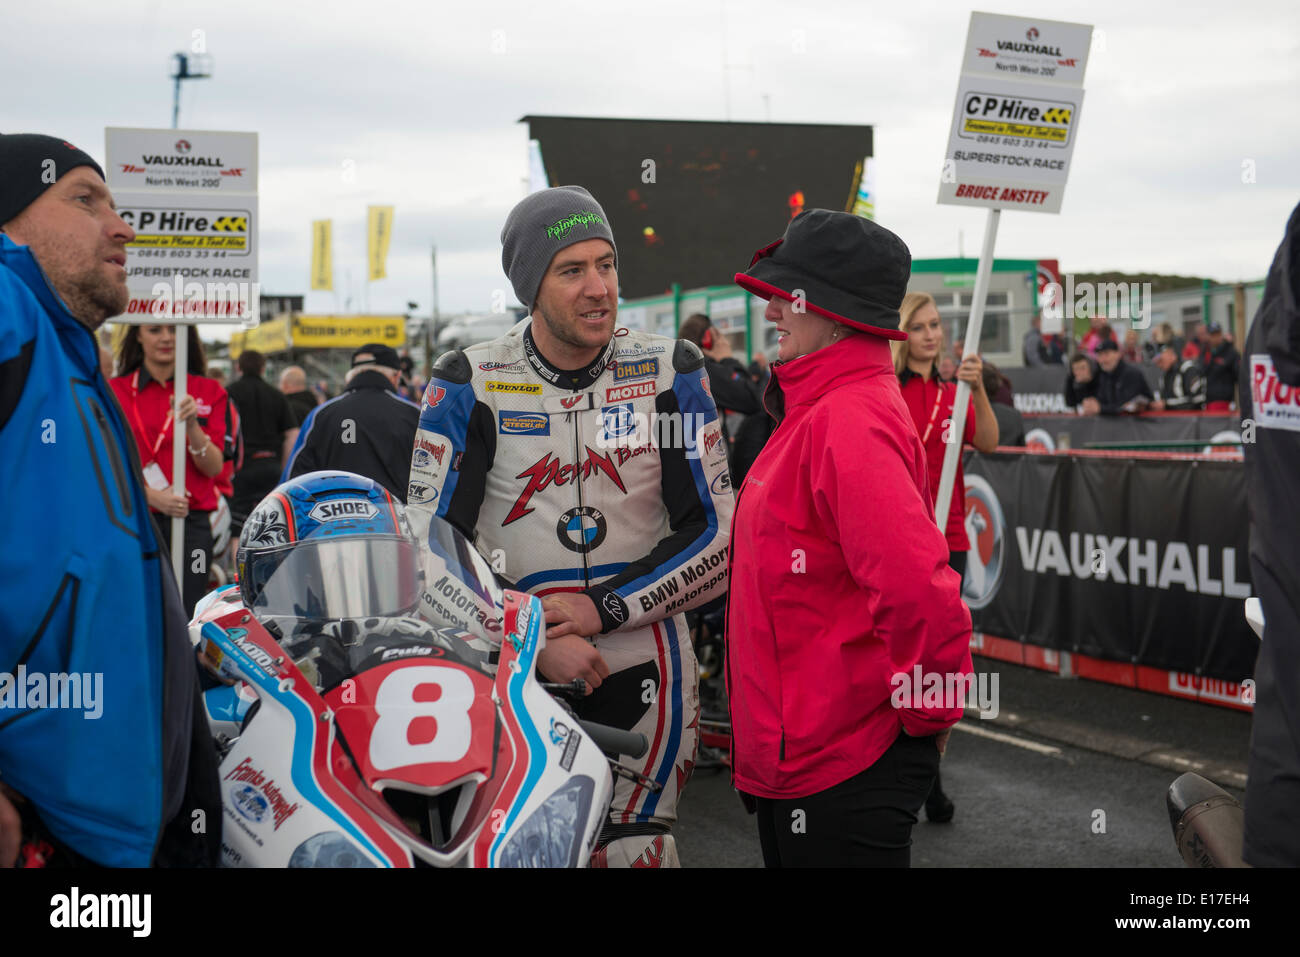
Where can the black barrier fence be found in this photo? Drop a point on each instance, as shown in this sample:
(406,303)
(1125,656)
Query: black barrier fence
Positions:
(1056,433)
(1136,559)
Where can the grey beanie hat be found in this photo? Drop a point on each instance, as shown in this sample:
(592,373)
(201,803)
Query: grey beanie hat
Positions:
(540,226)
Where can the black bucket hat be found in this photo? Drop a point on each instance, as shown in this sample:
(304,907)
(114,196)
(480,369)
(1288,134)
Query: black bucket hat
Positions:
(849,270)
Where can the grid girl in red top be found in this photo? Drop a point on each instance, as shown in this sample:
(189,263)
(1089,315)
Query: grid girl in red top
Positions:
(930,402)
(147,361)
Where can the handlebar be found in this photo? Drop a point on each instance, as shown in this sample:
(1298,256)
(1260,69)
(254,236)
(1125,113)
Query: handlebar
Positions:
(614,742)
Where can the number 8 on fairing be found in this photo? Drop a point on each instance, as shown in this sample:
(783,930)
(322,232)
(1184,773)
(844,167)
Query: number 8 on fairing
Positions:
(397,711)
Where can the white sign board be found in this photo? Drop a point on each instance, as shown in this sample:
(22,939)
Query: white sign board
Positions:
(191,197)
(1017,113)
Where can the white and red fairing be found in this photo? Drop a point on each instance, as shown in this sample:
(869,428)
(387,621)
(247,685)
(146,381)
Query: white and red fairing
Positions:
(302,785)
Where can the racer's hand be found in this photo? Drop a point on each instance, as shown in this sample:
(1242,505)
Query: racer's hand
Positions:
(11,831)
(564,659)
(941,739)
(571,614)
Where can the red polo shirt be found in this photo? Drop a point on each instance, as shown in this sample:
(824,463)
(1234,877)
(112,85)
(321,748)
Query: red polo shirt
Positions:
(146,403)
(930,402)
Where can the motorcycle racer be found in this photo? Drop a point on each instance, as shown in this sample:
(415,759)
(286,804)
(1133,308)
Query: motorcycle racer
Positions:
(589,468)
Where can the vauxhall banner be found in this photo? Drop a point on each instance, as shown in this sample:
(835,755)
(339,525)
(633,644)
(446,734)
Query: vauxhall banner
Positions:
(1016,118)
(191,197)
(379,230)
(1139,561)
(322,254)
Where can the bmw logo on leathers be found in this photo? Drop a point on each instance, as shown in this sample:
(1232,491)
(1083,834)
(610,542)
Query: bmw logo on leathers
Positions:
(581,529)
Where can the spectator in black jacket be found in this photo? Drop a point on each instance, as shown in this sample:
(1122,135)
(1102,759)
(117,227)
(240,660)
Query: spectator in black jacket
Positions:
(1222,365)
(269,431)
(1183,388)
(1081,382)
(1011,425)
(369,429)
(1121,387)
(732,386)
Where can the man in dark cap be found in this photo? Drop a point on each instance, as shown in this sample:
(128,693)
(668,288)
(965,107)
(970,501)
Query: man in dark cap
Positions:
(1121,387)
(137,785)
(369,429)
(1222,364)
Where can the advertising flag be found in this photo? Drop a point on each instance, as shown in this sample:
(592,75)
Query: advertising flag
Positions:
(322,254)
(379,229)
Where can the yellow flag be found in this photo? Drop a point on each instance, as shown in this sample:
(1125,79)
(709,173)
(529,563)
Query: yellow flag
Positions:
(379,229)
(322,254)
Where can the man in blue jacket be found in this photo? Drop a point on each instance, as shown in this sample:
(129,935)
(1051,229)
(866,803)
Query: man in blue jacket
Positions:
(104,754)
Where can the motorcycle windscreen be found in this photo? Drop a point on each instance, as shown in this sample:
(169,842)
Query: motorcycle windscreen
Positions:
(353,577)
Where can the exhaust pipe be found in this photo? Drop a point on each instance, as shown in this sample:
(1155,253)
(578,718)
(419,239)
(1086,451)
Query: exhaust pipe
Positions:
(1208,822)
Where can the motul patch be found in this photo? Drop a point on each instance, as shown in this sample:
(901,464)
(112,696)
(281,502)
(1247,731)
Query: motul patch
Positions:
(633,390)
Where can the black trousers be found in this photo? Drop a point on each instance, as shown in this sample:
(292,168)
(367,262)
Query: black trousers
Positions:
(865,821)
(250,485)
(194,567)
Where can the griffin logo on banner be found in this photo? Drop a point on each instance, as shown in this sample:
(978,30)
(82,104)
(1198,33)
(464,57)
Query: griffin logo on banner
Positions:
(322,254)
(379,229)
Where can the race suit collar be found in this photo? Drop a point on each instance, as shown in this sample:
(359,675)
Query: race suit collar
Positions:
(577,379)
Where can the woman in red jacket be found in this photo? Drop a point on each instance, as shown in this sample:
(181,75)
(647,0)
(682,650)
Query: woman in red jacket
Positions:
(930,403)
(841,596)
(147,362)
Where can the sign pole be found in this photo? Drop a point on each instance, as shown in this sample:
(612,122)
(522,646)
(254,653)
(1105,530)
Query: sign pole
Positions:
(179,443)
(971,348)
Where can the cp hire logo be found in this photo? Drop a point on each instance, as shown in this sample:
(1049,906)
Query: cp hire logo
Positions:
(986,528)
(1020,117)
(346,508)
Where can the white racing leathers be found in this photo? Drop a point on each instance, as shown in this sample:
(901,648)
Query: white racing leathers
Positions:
(611,481)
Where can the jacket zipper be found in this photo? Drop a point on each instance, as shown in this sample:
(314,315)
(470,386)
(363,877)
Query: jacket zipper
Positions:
(119,474)
(726,643)
(575,419)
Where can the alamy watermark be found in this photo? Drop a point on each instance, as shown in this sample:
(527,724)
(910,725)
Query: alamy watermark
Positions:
(36,690)
(623,428)
(1111,300)
(181,299)
(930,689)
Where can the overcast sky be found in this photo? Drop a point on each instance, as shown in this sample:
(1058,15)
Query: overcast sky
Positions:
(420,100)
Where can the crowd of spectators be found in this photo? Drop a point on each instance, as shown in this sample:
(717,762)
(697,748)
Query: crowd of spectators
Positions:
(1106,376)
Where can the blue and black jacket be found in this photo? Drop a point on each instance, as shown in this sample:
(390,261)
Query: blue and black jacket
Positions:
(86,590)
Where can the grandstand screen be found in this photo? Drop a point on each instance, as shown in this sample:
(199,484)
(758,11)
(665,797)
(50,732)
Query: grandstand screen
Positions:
(689,202)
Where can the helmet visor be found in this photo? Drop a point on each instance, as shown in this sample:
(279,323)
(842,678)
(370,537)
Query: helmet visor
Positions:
(337,577)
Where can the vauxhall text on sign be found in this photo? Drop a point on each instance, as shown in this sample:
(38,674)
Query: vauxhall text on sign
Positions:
(1017,113)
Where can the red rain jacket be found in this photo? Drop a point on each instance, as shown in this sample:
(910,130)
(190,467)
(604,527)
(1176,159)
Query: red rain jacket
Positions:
(839,579)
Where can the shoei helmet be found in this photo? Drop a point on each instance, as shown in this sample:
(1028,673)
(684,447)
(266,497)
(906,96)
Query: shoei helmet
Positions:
(326,546)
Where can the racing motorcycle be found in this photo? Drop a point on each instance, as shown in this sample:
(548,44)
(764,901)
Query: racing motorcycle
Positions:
(354,733)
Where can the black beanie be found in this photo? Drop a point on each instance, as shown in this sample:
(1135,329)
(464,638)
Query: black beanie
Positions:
(31,163)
